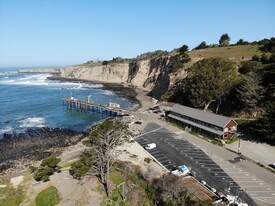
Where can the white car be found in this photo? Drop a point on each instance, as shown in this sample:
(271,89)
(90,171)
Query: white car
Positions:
(150,146)
(203,182)
(182,170)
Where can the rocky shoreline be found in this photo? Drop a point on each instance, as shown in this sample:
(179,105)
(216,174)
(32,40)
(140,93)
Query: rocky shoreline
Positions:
(18,151)
(125,91)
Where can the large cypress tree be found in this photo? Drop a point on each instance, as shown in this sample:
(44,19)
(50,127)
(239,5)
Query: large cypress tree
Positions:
(209,80)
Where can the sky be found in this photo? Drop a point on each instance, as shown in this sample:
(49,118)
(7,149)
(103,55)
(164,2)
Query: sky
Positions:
(56,33)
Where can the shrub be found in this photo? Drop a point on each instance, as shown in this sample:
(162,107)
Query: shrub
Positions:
(255,58)
(264,58)
(105,63)
(32,169)
(45,178)
(40,173)
(50,162)
(248,66)
(78,169)
(147,160)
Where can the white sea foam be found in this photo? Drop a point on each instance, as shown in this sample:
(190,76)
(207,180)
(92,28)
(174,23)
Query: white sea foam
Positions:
(26,78)
(8,81)
(37,79)
(108,92)
(32,122)
(5,130)
(7,73)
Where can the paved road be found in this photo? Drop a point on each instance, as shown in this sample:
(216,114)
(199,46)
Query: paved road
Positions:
(220,168)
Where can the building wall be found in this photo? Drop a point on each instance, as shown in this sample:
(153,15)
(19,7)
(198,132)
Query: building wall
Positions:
(189,127)
(230,130)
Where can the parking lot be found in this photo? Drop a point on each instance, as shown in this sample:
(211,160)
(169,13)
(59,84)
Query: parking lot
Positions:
(225,175)
(255,187)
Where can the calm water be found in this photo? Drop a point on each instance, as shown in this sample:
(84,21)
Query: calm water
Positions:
(30,100)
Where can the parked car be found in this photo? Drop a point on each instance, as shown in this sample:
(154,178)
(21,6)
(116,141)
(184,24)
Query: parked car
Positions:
(182,170)
(203,182)
(150,146)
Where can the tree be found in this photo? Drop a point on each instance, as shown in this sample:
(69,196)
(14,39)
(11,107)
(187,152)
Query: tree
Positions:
(106,137)
(265,125)
(224,40)
(250,92)
(202,45)
(81,167)
(268,45)
(242,42)
(183,49)
(209,80)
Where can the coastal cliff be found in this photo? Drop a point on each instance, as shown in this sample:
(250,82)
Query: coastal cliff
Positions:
(155,75)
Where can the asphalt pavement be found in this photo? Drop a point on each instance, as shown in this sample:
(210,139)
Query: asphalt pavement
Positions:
(219,168)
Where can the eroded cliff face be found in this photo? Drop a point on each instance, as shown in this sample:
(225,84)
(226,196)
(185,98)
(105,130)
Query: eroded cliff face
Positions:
(154,75)
(116,73)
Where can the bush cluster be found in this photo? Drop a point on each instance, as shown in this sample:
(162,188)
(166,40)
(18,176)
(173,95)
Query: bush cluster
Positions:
(47,167)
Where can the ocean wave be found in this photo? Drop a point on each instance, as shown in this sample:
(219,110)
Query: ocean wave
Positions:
(32,122)
(7,73)
(6,130)
(107,92)
(25,78)
(79,86)
(8,81)
(37,79)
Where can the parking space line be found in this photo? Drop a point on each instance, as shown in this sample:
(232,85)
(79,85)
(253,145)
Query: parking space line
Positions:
(248,186)
(154,151)
(165,161)
(160,158)
(168,165)
(250,181)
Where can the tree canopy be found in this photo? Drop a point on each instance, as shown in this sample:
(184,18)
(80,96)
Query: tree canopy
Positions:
(250,92)
(224,40)
(209,80)
(202,45)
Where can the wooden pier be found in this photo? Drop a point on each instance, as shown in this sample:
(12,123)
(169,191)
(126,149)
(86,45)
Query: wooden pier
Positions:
(112,109)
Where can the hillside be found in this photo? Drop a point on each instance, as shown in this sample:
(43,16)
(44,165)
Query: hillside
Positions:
(234,53)
(157,74)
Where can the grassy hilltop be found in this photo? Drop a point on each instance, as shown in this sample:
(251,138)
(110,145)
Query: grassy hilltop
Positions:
(235,53)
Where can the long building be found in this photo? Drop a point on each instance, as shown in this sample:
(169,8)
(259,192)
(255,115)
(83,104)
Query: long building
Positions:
(204,123)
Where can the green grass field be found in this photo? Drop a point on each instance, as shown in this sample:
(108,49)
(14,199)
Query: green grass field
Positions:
(48,197)
(235,53)
(10,196)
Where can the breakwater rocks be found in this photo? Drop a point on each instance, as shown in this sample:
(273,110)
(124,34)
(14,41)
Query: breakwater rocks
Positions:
(19,150)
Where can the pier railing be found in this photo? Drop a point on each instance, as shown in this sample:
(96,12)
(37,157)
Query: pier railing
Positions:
(82,105)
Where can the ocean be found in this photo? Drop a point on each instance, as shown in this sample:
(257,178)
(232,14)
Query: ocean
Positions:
(30,100)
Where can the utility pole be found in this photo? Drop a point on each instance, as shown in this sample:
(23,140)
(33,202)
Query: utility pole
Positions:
(239,146)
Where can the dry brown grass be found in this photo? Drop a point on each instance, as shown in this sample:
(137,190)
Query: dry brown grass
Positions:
(235,53)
